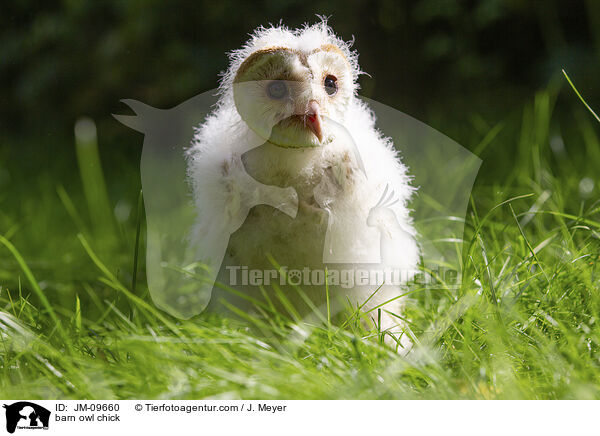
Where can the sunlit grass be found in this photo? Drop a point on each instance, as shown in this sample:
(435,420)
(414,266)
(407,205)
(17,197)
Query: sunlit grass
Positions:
(76,322)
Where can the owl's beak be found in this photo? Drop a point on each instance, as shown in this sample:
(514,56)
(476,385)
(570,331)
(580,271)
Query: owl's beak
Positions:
(312,119)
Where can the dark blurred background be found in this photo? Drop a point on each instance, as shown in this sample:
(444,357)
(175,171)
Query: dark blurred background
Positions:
(60,60)
(460,66)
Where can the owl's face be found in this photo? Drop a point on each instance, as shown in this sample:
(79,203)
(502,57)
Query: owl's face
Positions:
(294,98)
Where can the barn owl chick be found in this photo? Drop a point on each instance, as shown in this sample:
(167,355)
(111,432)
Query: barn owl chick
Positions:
(291,167)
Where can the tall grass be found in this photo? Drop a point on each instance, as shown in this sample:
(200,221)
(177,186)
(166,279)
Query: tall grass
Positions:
(76,322)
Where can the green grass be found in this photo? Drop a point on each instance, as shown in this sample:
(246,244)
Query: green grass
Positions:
(76,322)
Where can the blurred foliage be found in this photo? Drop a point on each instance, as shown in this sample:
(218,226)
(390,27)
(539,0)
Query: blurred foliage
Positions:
(63,59)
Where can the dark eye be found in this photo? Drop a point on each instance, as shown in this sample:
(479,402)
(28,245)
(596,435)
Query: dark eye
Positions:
(277,90)
(330,85)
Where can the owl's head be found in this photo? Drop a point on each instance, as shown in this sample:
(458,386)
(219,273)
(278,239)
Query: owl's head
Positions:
(293,87)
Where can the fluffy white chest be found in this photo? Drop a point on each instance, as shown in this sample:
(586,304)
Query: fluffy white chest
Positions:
(334,199)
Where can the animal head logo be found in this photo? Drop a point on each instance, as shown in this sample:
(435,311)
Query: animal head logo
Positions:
(26,415)
(183,259)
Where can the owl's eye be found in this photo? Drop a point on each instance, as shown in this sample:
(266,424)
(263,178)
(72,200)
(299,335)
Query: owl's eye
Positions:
(330,85)
(277,90)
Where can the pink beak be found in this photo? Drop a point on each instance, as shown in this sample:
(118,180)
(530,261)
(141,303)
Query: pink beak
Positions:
(313,119)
